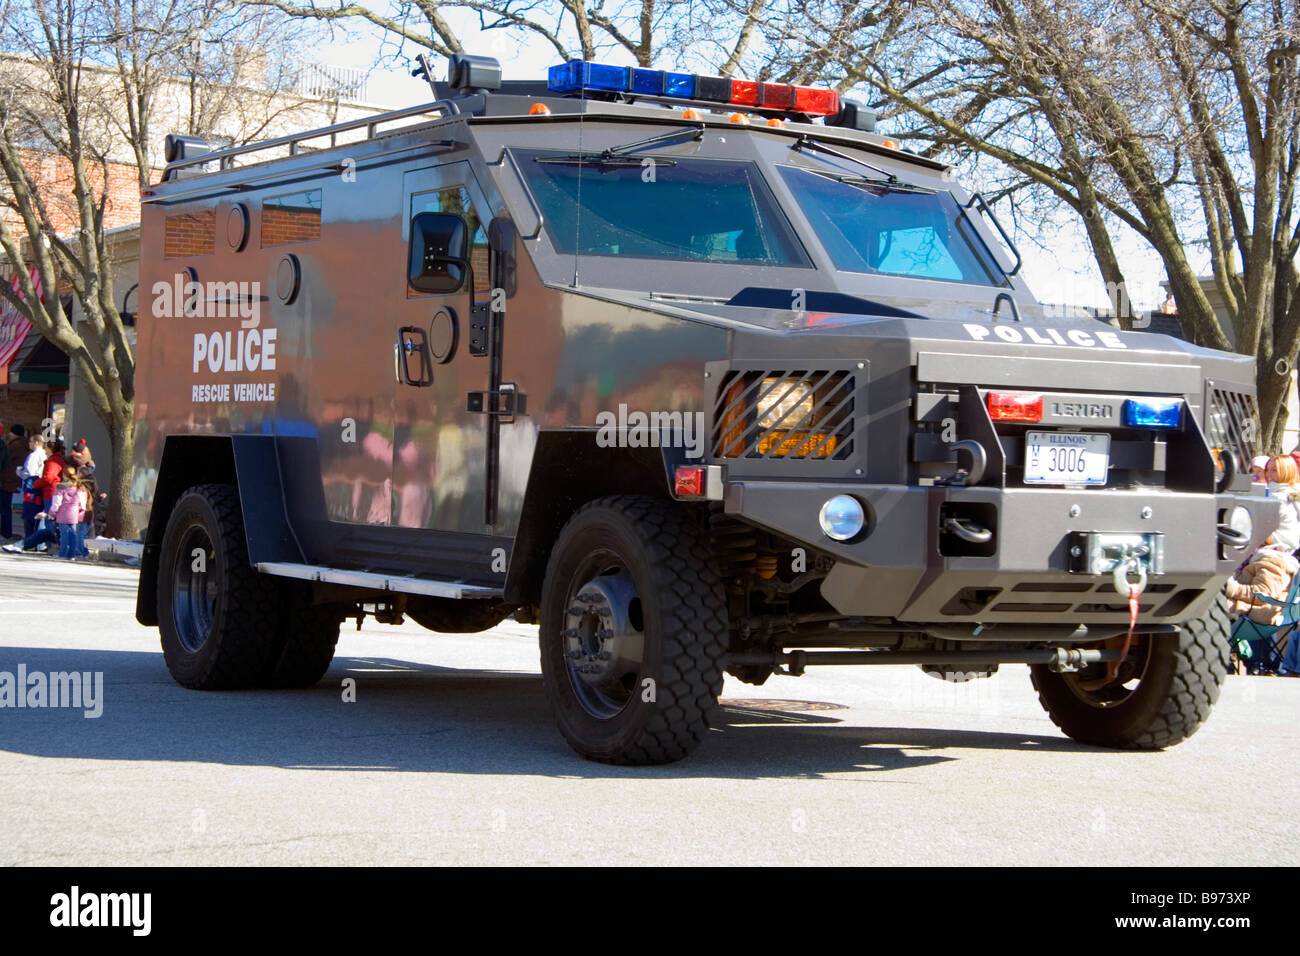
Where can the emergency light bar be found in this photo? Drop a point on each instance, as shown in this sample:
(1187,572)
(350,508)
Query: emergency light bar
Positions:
(581,76)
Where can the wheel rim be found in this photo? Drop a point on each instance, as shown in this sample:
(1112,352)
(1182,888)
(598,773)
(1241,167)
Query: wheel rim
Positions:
(604,636)
(1091,687)
(194,589)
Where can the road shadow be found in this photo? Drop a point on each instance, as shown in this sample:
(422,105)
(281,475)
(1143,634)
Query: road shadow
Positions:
(421,718)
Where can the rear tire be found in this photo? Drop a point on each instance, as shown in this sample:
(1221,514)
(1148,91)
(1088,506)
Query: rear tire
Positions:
(217,617)
(310,633)
(1180,679)
(633,632)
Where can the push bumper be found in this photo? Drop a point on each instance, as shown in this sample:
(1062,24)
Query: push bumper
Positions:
(908,564)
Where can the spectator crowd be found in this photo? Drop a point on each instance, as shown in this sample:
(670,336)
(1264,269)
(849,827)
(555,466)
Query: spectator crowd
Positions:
(56,488)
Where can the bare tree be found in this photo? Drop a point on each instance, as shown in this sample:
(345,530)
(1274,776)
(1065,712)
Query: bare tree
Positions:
(717,32)
(48,111)
(82,84)
(1176,118)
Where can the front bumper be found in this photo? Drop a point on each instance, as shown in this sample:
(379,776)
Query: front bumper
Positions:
(905,566)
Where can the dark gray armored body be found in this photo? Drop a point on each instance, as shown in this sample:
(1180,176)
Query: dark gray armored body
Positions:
(697,390)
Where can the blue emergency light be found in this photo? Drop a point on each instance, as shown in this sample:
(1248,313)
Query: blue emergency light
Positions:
(1153,412)
(582,76)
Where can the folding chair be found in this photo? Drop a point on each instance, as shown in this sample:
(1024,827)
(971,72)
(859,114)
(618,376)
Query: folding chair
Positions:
(1260,645)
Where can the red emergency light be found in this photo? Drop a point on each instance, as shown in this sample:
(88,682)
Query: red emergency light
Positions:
(581,76)
(1015,406)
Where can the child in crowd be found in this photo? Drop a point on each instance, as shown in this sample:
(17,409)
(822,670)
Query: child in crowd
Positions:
(68,508)
(82,458)
(92,518)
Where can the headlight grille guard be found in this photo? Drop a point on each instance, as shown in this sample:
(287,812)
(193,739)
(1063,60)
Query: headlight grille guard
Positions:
(786,419)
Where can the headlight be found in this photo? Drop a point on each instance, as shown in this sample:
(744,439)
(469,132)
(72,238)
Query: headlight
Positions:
(783,404)
(842,518)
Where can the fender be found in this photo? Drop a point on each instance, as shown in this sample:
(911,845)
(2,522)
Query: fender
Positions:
(568,470)
(250,463)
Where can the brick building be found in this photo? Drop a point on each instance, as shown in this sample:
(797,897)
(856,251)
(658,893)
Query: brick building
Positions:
(37,387)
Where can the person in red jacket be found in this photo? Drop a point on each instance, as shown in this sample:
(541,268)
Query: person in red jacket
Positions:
(46,532)
(52,473)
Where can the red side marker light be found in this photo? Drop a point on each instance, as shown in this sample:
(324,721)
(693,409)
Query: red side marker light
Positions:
(1015,406)
(689,481)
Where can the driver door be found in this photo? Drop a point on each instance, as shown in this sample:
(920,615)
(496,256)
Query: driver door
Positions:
(439,446)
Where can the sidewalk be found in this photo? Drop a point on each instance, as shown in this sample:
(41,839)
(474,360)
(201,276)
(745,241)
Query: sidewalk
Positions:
(102,550)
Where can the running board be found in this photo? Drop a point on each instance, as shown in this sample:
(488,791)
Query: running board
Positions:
(378,582)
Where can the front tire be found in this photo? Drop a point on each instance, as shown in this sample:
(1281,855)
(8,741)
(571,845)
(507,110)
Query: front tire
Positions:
(633,632)
(1173,682)
(217,616)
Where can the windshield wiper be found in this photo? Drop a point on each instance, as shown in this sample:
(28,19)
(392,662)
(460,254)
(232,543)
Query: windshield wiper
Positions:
(875,186)
(599,161)
(616,156)
(693,132)
(807,142)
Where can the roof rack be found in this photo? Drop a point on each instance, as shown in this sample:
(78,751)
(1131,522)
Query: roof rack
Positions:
(225,157)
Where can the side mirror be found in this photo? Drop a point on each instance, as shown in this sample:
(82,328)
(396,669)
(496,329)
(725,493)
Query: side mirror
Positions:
(502,236)
(439,257)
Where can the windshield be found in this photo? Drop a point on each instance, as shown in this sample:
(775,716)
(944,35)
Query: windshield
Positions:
(868,227)
(685,209)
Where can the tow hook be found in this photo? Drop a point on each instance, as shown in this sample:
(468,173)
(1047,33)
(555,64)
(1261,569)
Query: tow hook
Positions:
(967,530)
(1131,564)
(979,461)
(1232,537)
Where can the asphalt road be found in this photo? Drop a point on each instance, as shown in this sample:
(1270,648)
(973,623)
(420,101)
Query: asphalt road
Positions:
(448,755)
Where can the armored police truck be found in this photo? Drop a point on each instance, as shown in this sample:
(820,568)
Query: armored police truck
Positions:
(698,374)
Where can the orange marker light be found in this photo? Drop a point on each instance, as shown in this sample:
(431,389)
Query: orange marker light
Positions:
(738,118)
(692,114)
(890,144)
(774,121)
(539,109)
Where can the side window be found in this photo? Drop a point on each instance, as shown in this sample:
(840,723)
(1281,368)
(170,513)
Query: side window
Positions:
(293,217)
(456,199)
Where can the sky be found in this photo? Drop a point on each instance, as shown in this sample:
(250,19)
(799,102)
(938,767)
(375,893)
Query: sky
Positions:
(1065,274)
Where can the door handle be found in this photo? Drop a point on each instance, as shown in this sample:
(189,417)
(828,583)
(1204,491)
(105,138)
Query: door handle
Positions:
(412,340)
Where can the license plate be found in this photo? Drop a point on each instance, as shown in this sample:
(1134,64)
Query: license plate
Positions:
(1066,458)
